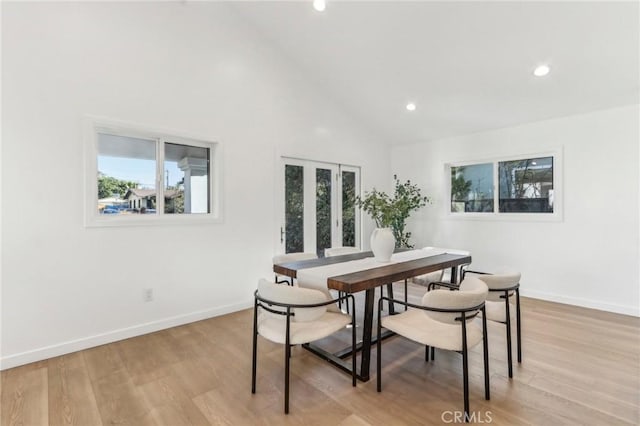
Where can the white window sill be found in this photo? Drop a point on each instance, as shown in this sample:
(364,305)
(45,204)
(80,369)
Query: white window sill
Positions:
(151,220)
(507,217)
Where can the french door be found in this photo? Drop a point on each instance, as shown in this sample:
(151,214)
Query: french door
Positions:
(317,206)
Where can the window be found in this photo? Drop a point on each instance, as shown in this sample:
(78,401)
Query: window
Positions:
(141,176)
(472,188)
(525,185)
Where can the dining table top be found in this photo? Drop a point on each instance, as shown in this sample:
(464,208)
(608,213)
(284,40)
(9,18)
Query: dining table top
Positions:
(382,273)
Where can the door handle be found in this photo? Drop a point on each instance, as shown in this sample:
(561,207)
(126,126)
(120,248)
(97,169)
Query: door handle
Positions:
(281,235)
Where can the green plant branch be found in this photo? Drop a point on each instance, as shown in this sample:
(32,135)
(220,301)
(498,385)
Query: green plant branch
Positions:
(393,213)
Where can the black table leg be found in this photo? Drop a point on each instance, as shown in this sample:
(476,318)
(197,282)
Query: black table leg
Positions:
(364,346)
(454,275)
(367,329)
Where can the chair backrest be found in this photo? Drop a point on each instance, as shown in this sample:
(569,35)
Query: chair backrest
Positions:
(337,251)
(473,292)
(293,257)
(503,280)
(289,295)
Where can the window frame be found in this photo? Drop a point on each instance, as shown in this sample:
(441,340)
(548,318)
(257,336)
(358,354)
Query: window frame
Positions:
(95,125)
(281,160)
(557,214)
(358,212)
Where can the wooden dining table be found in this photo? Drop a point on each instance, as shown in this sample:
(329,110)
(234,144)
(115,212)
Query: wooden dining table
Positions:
(368,280)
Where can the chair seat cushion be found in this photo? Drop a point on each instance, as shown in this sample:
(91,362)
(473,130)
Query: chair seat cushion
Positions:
(415,325)
(496,311)
(274,327)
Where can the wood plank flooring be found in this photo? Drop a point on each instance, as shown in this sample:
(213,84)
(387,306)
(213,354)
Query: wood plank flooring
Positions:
(579,366)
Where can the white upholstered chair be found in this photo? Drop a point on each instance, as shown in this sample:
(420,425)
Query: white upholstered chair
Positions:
(443,320)
(291,316)
(442,275)
(339,251)
(502,286)
(290,257)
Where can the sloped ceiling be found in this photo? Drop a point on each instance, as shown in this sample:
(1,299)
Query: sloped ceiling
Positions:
(467,65)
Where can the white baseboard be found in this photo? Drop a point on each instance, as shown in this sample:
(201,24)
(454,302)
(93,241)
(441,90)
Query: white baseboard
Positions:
(585,303)
(46,352)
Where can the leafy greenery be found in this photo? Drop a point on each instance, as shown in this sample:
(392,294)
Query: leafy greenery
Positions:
(294,208)
(393,212)
(459,186)
(348,209)
(108,186)
(174,204)
(323,210)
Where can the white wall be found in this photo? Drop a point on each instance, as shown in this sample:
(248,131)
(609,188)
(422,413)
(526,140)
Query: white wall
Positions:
(193,67)
(591,257)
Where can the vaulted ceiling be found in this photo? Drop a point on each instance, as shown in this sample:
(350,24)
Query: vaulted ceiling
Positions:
(468,66)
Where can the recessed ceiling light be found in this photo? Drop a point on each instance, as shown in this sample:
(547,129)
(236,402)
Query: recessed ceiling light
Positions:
(541,70)
(319,5)
(411,106)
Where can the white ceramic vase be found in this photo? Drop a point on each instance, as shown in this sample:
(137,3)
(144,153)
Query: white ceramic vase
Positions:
(382,244)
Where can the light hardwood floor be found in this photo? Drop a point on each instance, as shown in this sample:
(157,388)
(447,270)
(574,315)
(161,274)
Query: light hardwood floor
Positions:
(579,366)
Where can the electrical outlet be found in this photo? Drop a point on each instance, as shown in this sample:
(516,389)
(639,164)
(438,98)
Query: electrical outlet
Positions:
(148,294)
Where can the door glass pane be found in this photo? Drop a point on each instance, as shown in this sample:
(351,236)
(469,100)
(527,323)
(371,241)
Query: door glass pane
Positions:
(526,186)
(294,208)
(472,188)
(323,210)
(348,209)
(126,175)
(186,179)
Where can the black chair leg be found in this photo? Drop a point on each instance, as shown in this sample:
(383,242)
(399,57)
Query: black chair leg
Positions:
(433,353)
(426,353)
(518,331)
(346,303)
(508,324)
(465,369)
(485,350)
(405,295)
(379,351)
(287,361)
(255,349)
(353,338)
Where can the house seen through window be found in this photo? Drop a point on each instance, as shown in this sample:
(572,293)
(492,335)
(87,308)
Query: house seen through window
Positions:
(152,176)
